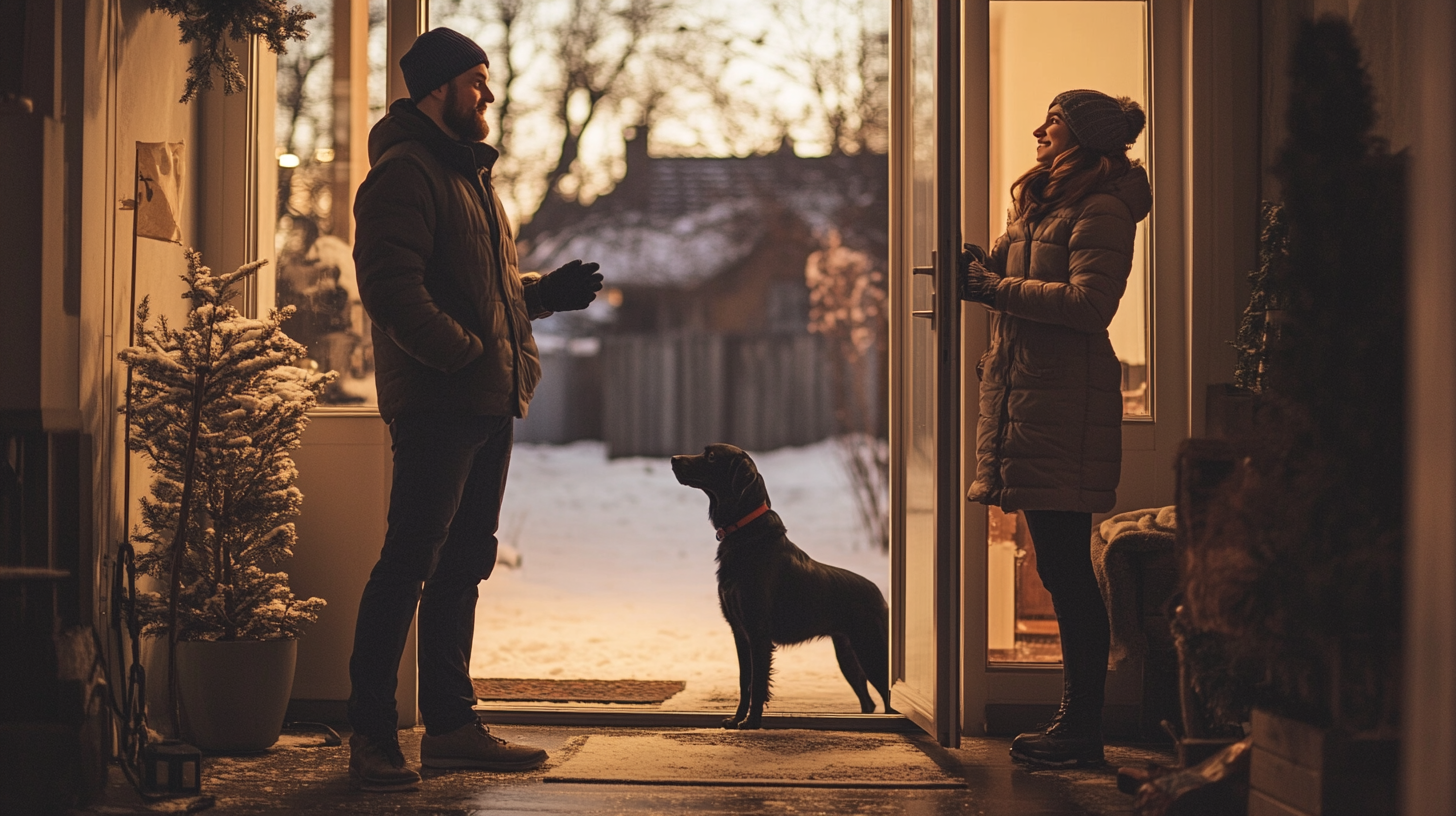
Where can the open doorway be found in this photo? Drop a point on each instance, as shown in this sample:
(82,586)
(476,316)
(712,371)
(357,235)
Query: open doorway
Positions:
(729,173)
(731,178)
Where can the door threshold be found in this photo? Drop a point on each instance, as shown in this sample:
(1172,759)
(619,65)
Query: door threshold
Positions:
(594,716)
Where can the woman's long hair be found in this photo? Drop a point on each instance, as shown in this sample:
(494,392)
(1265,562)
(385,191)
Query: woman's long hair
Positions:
(1070,177)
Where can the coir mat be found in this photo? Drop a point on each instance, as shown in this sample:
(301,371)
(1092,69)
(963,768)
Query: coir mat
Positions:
(576,691)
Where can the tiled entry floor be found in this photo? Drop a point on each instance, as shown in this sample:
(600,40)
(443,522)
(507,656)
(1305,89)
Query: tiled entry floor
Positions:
(299,776)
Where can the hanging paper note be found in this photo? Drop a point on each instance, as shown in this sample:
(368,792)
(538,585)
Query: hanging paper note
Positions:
(159,190)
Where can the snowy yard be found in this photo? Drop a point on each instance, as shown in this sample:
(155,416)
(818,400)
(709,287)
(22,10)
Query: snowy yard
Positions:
(617,575)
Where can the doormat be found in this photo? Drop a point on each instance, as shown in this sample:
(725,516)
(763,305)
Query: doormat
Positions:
(576,691)
(796,758)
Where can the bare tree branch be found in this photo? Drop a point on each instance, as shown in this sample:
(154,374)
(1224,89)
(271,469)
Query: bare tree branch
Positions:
(592,69)
(838,52)
(511,14)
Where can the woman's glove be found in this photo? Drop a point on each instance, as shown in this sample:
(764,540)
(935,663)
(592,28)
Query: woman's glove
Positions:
(977,283)
(571,287)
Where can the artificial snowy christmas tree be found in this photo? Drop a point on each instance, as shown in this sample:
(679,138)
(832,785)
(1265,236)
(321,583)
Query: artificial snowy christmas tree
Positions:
(216,406)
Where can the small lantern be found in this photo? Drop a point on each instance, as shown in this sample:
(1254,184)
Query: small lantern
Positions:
(171,766)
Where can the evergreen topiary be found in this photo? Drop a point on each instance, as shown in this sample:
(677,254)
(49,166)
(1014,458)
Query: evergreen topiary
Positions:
(216,406)
(1303,573)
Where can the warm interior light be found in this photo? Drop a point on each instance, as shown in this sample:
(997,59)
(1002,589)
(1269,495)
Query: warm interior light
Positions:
(323,155)
(1039,50)
(287,160)
(614,297)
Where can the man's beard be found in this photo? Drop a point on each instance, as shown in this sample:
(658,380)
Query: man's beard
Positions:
(467,122)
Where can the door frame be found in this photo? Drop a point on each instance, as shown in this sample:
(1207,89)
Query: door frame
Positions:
(1006,698)
(1185,325)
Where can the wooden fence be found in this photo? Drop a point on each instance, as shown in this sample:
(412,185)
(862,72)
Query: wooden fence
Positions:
(567,405)
(659,395)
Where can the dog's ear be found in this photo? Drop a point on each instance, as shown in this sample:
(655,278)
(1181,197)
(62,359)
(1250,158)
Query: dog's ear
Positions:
(746,484)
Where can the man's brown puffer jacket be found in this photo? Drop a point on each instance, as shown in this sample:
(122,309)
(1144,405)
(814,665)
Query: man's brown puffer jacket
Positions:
(1049,435)
(438,276)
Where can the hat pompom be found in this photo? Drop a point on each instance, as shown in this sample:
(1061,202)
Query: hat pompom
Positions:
(1136,120)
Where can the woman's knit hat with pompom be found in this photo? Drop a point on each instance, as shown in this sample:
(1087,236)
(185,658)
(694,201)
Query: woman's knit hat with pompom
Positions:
(1101,123)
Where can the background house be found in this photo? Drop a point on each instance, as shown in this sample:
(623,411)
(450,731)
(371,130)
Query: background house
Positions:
(705,335)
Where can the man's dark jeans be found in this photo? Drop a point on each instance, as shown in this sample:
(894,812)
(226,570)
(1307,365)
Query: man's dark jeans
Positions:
(444,508)
(1063,541)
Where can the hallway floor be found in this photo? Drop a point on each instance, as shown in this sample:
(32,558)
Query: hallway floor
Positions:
(301,776)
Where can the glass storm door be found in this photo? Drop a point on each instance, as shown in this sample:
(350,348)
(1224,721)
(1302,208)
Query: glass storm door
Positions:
(925,329)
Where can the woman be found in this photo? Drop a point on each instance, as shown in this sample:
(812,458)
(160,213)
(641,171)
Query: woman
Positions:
(1049,438)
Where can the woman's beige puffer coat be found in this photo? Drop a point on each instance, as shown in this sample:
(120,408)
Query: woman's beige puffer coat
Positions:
(1049,435)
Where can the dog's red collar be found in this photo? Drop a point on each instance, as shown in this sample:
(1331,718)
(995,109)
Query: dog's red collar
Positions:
(724,531)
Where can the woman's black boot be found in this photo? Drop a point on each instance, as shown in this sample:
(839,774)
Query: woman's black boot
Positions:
(1070,741)
(1074,736)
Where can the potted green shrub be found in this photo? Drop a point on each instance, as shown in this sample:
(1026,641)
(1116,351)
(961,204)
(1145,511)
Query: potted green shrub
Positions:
(216,405)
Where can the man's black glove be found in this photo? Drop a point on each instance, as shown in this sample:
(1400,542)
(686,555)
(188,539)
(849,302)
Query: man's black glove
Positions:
(977,283)
(571,287)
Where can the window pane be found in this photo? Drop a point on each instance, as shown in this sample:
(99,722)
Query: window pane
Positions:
(1038,50)
(330,92)
(1021,626)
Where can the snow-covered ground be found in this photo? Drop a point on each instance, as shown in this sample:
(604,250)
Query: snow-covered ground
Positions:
(616,579)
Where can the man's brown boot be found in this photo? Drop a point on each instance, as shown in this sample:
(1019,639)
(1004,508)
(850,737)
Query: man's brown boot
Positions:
(473,746)
(376,764)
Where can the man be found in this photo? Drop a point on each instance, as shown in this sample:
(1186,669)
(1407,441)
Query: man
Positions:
(455,364)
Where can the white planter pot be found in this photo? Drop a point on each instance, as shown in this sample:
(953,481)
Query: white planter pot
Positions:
(234,693)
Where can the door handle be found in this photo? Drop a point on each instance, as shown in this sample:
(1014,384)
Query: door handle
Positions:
(928,314)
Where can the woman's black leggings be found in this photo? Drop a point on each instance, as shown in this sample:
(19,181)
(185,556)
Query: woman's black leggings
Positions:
(1063,541)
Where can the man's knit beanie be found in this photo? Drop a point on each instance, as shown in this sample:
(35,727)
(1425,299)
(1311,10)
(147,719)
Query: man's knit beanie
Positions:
(1101,123)
(438,56)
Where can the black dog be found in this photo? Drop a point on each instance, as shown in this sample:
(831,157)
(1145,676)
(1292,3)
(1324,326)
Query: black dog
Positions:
(773,594)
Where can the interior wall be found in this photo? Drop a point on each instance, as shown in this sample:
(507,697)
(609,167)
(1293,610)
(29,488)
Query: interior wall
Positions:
(130,69)
(1429,738)
(150,76)
(1221,129)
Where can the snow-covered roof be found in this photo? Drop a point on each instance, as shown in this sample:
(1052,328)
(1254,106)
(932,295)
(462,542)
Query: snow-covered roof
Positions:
(643,249)
(678,221)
